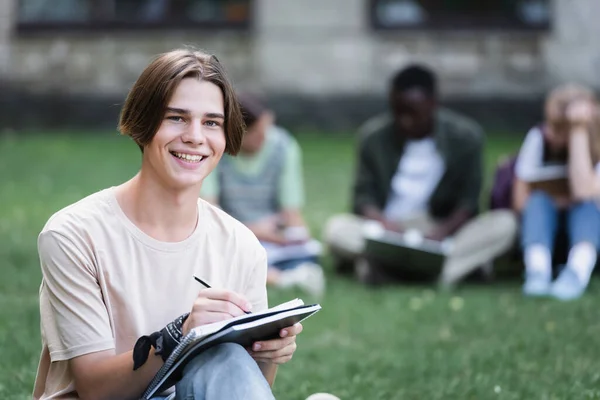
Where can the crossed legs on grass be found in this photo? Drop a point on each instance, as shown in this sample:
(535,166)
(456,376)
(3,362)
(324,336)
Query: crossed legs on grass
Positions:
(476,244)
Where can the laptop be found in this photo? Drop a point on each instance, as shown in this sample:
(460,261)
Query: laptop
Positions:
(405,253)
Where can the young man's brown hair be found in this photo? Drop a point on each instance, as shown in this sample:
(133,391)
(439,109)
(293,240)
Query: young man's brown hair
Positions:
(146,103)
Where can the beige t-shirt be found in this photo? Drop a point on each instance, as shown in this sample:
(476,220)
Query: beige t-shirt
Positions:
(106,283)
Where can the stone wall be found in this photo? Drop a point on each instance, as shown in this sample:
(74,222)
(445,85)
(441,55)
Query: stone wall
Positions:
(319,51)
(291,49)
(97,63)
(572,50)
(6,24)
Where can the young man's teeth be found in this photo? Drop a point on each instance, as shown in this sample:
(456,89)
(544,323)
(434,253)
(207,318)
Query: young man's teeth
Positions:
(188,157)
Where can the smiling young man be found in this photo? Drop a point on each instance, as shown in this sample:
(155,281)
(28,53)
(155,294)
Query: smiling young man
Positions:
(118,265)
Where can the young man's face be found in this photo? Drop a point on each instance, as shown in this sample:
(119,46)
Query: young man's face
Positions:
(413,112)
(191,138)
(256,133)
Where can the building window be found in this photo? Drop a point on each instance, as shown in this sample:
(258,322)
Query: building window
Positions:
(460,14)
(131,14)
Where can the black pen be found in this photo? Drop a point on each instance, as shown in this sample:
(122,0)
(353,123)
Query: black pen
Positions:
(208,287)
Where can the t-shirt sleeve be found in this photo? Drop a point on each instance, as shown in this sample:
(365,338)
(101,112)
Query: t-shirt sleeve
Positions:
(74,317)
(529,166)
(256,286)
(291,184)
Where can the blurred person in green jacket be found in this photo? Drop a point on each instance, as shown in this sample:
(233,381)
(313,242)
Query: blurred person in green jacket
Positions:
(419,172)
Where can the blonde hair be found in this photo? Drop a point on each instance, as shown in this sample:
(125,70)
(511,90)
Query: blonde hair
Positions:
(559,100)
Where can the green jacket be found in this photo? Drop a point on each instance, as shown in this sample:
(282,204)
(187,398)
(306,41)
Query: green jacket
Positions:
(460,143)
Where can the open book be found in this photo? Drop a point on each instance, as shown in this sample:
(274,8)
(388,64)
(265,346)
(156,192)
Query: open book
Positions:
(244,330)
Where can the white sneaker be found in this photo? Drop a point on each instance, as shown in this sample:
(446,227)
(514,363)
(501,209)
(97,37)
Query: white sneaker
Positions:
(307,276)
(322,396)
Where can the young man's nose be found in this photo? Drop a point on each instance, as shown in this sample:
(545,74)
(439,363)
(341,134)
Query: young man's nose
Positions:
(195,133)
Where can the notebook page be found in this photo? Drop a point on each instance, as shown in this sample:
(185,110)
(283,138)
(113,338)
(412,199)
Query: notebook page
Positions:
(205,330)
(287,305)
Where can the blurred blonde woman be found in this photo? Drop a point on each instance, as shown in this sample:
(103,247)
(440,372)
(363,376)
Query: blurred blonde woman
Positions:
(558,178)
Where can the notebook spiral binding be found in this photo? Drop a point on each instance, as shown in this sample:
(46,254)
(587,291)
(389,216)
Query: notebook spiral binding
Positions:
(168,364)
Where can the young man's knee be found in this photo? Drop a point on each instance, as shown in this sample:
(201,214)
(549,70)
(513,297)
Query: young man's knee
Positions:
(231,350)
(223,354)
(229,354)
(223,364)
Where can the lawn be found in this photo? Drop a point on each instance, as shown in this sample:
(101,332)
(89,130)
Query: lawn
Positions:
(480,342)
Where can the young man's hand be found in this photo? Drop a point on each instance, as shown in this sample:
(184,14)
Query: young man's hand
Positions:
(277,351)
(213,305)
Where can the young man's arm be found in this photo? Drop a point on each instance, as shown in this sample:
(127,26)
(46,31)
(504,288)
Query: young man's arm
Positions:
(269,370)
(105,375)
(77,327)
(71,301)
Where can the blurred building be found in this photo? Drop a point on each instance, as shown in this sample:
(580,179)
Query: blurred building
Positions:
(330,59)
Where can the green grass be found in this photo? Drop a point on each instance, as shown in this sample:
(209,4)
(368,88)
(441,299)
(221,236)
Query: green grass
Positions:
(481,342)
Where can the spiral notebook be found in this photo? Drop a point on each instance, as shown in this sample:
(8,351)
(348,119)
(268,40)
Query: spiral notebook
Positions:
(244,330)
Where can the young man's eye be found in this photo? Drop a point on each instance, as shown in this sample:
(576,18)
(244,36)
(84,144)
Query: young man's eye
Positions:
(175,118)
(212,123)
